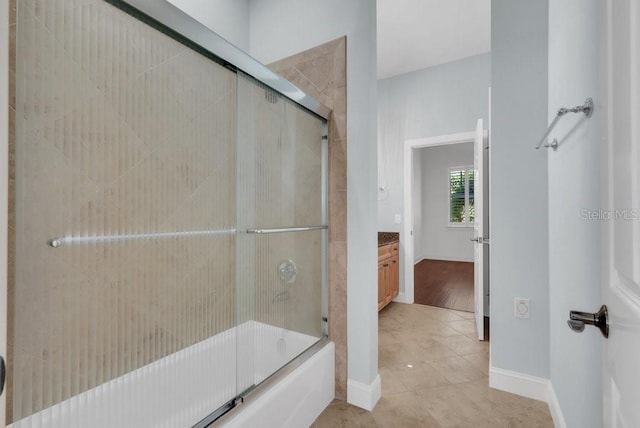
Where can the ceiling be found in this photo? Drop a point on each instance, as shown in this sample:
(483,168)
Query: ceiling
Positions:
(416,34)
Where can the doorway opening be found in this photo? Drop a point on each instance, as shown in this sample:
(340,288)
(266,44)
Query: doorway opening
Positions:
(446,223)
(443,215)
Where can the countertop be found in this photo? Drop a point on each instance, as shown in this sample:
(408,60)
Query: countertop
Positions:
(385,238)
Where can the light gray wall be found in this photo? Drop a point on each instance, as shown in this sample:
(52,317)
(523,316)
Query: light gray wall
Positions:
(519,197)
(280,28)
(434,238)
(446,99)
(574,259)
(228,18)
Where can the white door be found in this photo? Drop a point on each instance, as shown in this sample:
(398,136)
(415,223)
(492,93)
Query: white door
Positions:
(621,211)
(478,252)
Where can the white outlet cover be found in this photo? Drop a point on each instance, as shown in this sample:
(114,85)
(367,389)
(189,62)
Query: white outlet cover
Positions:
(522,308)
(397,219)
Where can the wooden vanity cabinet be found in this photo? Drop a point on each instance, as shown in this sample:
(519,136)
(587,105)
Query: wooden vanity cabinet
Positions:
(388,274)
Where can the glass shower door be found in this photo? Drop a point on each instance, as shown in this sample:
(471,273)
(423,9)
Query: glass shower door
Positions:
(167,224)
(122,222)
(282,231)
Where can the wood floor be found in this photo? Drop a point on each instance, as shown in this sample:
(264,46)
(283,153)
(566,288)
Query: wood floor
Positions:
(444,284)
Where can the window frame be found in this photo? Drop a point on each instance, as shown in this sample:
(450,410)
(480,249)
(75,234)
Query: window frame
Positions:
(466,223)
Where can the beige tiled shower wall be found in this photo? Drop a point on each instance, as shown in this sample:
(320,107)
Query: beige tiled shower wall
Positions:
(105,144)
(321,72)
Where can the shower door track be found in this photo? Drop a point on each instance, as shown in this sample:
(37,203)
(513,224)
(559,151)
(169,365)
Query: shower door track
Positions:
(228,410)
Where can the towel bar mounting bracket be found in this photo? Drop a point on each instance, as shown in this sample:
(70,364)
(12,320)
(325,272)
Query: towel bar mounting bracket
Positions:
(586,108)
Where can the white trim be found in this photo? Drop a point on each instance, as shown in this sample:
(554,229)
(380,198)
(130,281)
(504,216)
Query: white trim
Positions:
(461,226)
(363,395)
(441,140)
(487,285)
(519,383)
(554,408)
(528,386)
(406,243)
(401,298)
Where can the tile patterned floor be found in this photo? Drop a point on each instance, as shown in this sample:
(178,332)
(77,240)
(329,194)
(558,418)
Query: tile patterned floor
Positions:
(435,374)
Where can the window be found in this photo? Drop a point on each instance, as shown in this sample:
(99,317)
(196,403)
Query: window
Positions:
(461,208)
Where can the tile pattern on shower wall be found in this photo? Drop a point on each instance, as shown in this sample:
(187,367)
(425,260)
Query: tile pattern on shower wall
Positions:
(118,130)
(321,72)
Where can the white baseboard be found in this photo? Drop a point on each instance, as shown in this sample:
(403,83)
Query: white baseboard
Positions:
(554,408)
(528,386)
(401,298)
(363,395)
(418,260)
(519,383)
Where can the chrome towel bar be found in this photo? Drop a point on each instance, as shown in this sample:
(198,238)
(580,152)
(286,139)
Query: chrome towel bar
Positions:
(586,108)
(286,229)
(59,242)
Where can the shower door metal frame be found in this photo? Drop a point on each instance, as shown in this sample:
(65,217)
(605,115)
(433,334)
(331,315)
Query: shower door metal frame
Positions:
(325,220)
(171,20)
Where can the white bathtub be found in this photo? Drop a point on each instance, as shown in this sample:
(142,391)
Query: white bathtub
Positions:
(183,388)
(295,401)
